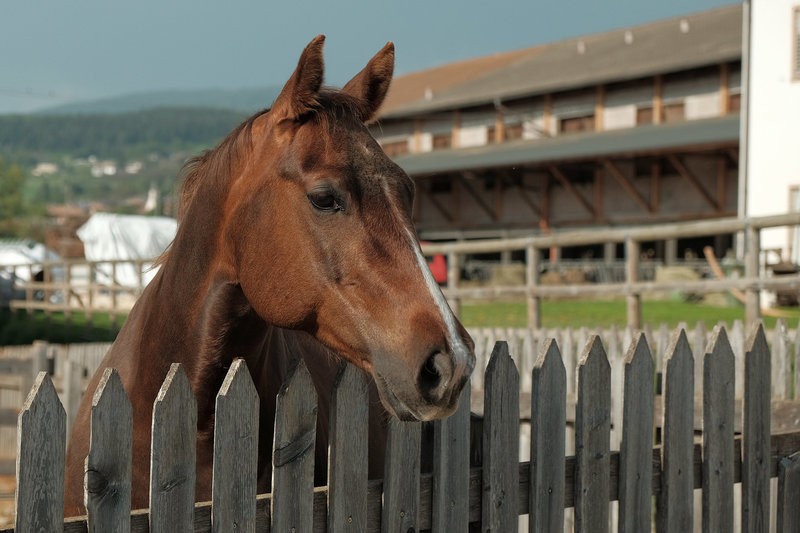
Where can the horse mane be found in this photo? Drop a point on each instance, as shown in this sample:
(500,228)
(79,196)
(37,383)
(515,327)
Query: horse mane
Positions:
(331,107)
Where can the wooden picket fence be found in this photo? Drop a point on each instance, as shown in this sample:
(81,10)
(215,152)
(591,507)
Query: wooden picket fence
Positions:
(456,495)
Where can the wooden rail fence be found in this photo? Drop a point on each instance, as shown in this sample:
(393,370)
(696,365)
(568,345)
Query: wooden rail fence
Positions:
(491,494)
(93,287)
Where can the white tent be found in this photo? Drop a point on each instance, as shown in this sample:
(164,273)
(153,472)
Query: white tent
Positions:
(107,236)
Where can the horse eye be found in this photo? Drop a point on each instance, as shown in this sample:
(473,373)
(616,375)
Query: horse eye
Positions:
(324,201)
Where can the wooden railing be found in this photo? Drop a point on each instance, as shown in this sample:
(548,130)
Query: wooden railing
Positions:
(91,295)
(754,280)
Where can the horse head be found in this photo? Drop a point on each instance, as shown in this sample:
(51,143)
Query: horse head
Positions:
(318,234)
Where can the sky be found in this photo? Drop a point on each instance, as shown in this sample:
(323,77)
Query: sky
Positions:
(58,51)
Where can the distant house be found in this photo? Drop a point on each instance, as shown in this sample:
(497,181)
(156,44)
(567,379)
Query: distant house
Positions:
(634,126)
(44,169)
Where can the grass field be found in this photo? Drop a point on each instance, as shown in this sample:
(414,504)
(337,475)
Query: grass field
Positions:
(19,328)
(605,313)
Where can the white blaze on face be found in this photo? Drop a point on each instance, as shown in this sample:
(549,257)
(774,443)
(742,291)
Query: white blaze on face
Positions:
(459,349)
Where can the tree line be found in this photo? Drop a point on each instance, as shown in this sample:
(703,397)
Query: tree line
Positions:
(27,139)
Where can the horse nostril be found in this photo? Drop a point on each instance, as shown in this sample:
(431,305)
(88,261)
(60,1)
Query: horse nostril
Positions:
(434,376)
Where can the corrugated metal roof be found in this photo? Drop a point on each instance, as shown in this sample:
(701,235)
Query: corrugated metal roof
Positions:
(642,139)
(668,45)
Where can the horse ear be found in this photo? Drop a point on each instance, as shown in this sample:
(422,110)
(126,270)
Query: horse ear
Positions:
(371,84)
(300,92)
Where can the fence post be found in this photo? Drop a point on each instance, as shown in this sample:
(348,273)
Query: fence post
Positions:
(752,310)
(41,430)
(453,274)
(631,276)
(532,281)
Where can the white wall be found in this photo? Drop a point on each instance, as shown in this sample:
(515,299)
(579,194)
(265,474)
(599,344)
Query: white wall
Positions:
(773,158)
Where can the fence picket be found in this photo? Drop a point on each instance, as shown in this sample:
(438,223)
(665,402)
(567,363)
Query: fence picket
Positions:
(41,434)
(789,494)
(173,451)
(235,466)
(293,452)
(347,451)
(402,476)
(108,466)
(756,433)
(450,505)
(676,499)
(718,433)
(592,439)
(781,369)
(636,456)
(548,420)
(500,443)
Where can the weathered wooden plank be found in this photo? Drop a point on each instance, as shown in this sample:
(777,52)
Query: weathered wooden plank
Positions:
(41,434)
(500,443)
(235,466)
(108,466)
(756,425)
(781,364)
(676,501)
(548,420)
(592,433)
(293,452)
(347,452)
(788,519)
(401,488)
(635,457)
(450,503)
(718,433)
(173,452)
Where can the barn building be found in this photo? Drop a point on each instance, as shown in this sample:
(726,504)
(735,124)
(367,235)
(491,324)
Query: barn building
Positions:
(632,126)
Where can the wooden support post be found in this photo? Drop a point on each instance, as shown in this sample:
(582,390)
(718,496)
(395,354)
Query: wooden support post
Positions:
(532,280)
(453,275)
(632,275)
(658,99)
(670,251)
(752,306)
(609,252)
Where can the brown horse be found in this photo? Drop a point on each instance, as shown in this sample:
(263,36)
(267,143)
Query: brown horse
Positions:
(295,238)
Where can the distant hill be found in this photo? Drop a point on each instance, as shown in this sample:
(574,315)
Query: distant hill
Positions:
(246,101)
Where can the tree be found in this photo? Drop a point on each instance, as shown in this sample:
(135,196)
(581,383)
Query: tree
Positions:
(12,206)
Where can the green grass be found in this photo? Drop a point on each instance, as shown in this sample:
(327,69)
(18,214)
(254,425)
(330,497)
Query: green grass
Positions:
(17,328)
(20,328)
(605,313)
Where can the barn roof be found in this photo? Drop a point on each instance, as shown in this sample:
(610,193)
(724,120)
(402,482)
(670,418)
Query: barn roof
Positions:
(669,45)
(640,140)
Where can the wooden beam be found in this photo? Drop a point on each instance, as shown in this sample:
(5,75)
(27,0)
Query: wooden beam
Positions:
(683,170)
(722,180)
(499,126)
(628,185)
(724,90)
(599,107)
(733,153)
(527,200)
(658,99)
(456,131)
(438,205)
(548,115)
(564,181)
(464,180)
(655,186)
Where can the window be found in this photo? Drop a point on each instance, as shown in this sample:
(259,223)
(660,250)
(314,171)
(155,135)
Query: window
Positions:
(796,44)
(576,124)
(734,102)
(644,115)
(442,141)
(396,148)
(513,131)
(674,112)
